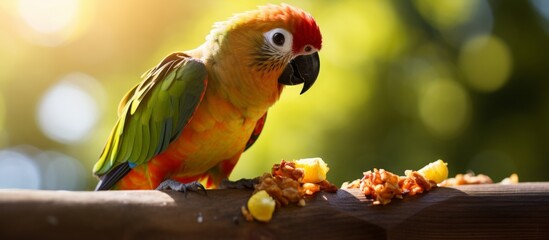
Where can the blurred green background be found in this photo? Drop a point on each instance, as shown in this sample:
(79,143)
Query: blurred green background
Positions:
(402,83)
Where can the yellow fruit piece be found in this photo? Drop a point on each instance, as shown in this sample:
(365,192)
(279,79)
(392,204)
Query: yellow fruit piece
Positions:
(436,171)
(261,206)
(314,169)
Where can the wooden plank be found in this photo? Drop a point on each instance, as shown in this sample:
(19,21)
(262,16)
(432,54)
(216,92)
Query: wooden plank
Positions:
(519,211)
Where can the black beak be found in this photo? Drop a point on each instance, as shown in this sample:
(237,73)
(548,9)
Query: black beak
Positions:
(302,69)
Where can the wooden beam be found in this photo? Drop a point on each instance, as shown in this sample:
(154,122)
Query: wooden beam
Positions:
(519,211)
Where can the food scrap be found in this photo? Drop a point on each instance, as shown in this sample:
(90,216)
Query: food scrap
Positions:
(471,178)
(382,186)
(436,171)
(290,182)
(315,169)
(511,179)
(261,206)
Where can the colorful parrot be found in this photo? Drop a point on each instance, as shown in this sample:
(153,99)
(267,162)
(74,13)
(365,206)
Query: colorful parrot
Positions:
(194,113)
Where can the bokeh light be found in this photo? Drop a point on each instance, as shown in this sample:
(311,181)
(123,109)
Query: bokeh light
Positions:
(486,62)
(17,170)
(62,172)
(2,114)
(466,18)
(53,22)
(542,7)
(31,168)
(444,108)
(48,16)
(346,49)
(68,110)
(447,14)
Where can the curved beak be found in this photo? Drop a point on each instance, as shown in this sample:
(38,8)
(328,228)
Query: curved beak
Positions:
(302,69)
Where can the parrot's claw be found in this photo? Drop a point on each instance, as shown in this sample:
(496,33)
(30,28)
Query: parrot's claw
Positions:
(170,184)
(244,183)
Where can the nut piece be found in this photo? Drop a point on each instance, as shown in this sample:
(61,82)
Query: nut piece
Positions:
(415,183)
(310,188)
(381,186)
(465,179)
(471,178)
(327,186)
(287,169)
(354,184)
(283,184)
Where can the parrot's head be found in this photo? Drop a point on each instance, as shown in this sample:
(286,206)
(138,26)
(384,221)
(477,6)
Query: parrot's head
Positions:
(277,43)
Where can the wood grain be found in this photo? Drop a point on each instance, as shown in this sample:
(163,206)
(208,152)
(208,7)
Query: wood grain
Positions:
(519,211)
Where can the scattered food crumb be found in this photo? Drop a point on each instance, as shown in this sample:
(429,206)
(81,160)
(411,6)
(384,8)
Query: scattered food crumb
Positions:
(513,179)
(247,215)
(472,178)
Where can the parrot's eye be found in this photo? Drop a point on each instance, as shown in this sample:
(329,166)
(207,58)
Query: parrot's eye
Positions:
(280,39)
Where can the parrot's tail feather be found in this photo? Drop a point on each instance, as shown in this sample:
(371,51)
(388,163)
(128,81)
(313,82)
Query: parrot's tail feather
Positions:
(108,180)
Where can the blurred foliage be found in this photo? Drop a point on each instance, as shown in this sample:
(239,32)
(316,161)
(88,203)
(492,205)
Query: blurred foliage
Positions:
(402,83)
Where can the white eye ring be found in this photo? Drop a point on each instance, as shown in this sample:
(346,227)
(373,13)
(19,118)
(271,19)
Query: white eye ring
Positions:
(280,39)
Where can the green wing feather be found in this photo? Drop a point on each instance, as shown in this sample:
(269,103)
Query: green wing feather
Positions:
(154,112)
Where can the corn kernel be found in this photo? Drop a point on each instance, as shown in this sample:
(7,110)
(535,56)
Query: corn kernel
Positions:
(261,206)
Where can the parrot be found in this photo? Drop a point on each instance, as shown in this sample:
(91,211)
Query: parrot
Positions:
(189,119)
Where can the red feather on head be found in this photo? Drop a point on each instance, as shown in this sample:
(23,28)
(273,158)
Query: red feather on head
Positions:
(306,32)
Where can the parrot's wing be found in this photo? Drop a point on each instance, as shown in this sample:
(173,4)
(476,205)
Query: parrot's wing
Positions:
(151,116)
(257,131)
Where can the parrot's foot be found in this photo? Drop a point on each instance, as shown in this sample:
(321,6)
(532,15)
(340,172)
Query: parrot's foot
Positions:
(244,183)
(170,184)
